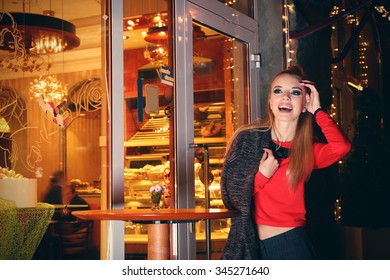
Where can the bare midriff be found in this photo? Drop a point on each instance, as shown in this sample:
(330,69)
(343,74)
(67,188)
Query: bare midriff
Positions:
(270,231)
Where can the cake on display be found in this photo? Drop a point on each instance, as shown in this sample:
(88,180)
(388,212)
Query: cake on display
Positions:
(17,188)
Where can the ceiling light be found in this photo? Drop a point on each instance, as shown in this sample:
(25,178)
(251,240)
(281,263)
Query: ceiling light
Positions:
(25,37)
(157,51)
(40,33)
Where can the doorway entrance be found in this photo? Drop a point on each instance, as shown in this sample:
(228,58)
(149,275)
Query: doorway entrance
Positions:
(188,80)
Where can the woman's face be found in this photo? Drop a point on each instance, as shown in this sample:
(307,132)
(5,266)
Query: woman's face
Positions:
(287,98)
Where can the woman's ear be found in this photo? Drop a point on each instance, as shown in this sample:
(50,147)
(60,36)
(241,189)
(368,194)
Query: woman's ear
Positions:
(304,104)
(307,98)
(269,105)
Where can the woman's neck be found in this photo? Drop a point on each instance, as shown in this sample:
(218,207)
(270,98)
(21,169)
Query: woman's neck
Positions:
(283,131)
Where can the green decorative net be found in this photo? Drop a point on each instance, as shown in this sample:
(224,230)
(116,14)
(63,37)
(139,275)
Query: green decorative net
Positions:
(21,229)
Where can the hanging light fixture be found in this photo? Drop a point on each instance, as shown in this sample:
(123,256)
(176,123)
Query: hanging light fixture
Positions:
(49,89)
(26,37)
(157,51)
(41,33)
(157,54)
(51,96)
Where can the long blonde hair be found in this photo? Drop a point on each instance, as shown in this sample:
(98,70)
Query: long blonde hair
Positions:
(301,151)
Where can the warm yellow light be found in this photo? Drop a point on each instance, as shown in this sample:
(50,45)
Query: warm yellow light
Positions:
(50,89)
(48,44)
(157,18)
(358,87)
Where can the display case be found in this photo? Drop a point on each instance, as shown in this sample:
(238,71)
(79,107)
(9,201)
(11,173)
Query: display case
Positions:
(141,173)
(147,164)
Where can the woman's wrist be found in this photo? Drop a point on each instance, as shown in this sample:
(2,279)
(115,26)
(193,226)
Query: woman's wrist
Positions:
(317,110)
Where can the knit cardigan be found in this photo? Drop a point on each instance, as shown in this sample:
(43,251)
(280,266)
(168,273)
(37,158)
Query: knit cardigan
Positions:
(237,181)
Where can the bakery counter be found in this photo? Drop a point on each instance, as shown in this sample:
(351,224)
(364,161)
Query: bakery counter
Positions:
(143,238)
(137,194)
(144,201)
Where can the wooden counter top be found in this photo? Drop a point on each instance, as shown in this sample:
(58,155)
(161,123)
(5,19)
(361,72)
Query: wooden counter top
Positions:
(171,215)
(158,220)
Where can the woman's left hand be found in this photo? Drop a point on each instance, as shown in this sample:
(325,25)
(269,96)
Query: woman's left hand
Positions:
(313,98)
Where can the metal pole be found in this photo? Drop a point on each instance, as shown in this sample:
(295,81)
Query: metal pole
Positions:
(207,194)
(207,200)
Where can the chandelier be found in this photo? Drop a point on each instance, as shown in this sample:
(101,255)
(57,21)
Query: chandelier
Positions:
(41,33)
(157,54)
(26,37)
(49,89)
(157,49)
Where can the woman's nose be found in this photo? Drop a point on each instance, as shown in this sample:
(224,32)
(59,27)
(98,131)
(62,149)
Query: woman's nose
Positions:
(286,95)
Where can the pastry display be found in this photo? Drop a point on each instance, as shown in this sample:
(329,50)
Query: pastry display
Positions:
(200,113)
(138,182)
(9,174)
(212,129)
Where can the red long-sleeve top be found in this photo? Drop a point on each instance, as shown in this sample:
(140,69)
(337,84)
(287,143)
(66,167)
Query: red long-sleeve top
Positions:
(277,205)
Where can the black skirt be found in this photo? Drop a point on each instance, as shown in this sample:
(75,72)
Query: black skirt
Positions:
(294,244)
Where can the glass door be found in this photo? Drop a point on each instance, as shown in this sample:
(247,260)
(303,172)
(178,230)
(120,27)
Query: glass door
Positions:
(207,55)
(221,94)
(147,141)
(212,100)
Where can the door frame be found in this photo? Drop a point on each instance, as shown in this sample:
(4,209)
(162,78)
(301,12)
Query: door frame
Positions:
(215,15)
(232,23)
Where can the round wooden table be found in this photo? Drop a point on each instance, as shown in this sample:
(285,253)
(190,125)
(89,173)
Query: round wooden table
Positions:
(158,220)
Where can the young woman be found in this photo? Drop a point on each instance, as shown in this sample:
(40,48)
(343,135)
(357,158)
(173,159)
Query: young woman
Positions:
(265,169)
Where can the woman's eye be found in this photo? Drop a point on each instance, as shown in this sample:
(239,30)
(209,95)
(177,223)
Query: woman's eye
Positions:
(296,92)
(278,91)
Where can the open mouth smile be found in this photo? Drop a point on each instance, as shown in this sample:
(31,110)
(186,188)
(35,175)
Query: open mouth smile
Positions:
(285,108)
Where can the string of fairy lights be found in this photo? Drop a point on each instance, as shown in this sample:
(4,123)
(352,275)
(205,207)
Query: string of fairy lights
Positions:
(288,43)
(382,10)
(290,53)
(362,50)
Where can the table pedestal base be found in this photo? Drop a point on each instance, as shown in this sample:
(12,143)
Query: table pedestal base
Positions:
(158,245)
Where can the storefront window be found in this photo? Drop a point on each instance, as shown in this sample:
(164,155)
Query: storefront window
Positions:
(51,96)
(55,105)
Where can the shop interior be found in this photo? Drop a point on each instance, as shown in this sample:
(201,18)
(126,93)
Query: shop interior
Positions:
(67,131)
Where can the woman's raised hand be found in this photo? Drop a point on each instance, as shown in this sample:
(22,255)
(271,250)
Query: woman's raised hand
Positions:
(313,98)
